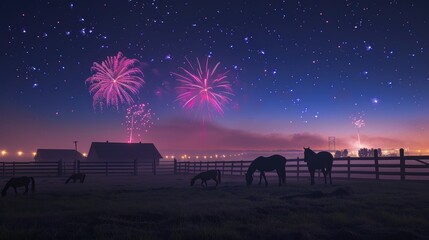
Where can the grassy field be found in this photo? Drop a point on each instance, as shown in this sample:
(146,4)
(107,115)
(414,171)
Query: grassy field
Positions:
(166,207)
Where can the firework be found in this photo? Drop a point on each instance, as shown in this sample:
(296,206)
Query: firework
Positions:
(202,88)
(359,123)
(115,81)
(138,120)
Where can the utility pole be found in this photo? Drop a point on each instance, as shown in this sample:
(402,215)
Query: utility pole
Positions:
(75,145)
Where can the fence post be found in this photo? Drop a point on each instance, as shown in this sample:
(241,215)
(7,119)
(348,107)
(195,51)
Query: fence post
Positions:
(232,168)
(402,163)
(154,166)
(215,165)
(3,168)
(60,165)
(348,168)
(223,167)
(201,166)
(13,169)
(241,167)
(78,166)
(175,167)
(135,167)
(297,168)
(207,165)
(107,168)
(195,167)
(377,173)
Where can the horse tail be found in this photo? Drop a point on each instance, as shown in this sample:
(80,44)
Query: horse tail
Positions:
(33,184)
(218,175)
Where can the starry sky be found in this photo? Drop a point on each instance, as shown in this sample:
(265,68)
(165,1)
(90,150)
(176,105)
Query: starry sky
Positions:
(301,71)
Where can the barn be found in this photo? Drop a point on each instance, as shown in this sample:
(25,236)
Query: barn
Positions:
(55,155)
(123,152)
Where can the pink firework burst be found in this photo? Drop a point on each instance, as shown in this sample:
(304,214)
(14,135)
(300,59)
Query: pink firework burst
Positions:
(202,88)
(115,81)
(138,120)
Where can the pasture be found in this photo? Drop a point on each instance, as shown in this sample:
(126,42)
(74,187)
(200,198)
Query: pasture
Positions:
(166,207)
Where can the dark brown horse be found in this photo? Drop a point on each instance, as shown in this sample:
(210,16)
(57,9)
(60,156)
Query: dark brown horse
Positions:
(76,176)
(321,160)
(204,176)
(263,164)
(18,182)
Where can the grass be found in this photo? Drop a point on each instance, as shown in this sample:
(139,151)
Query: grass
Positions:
(165,207)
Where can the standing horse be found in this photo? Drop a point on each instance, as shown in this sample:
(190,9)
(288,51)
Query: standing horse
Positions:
(204,176)
(275,162)
(18,182)
(321,160)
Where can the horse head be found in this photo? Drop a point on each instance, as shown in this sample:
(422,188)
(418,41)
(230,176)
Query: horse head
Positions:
(192,182)
(308,154)
(249,179)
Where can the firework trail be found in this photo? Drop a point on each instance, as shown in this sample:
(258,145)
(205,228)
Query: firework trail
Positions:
(138,119)
(359,123)
(116,80)
(202,88)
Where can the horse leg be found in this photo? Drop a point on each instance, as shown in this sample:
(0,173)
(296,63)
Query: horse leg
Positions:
(324,174)
(16,193)
(26,189)
(266,183)
(330,178)
(215,180)
(260,178)
(312,176)
(280,177)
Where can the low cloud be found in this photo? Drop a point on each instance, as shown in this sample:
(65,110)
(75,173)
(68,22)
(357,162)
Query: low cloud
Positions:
(182,134)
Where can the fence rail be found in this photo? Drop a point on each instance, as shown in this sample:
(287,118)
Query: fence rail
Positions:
(400,168)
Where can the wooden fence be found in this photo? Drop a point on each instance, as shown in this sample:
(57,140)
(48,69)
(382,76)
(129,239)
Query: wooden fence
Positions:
(399,168)
(97,168)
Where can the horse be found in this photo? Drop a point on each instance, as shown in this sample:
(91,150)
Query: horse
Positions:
(76,176)
(321,160)
(18,182)
(274,162)
(204,176)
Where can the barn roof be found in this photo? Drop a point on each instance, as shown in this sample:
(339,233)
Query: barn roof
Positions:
(50,155)
(107,151)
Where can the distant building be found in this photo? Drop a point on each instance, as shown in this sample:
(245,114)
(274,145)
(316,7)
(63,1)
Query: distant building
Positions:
(55,155)
(123,152)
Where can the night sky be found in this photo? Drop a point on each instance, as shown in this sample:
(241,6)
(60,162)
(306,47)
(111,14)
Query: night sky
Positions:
(301,71)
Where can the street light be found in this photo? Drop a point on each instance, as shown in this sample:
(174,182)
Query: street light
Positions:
(20,153)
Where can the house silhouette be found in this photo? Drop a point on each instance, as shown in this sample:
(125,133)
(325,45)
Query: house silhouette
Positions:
(55,155)
(123,152)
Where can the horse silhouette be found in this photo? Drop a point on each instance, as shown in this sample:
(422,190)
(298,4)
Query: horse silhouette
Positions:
(18,182)
(321,160)
(274,162)
(204,176)
(76,176)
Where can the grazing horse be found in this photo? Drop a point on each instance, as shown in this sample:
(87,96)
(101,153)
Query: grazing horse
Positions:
(321,160)
(18,182)
(76,176)
(275,162)
(204,176)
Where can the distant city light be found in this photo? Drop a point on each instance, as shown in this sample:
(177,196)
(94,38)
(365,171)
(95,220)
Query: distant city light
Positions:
(84,154)
(20,153)
(34,154)
(3,152)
